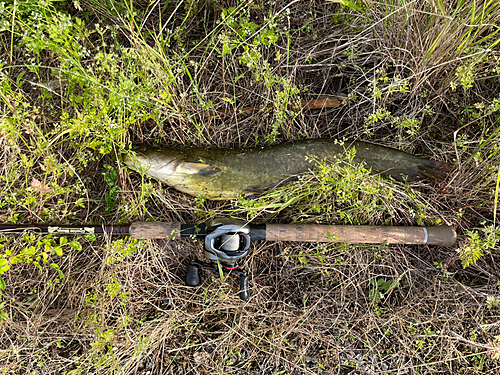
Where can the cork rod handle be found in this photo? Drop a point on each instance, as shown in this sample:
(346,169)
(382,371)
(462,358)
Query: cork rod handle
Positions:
(439,235)
(151,230)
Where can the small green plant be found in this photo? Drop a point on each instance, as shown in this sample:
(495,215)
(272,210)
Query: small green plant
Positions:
(246,40)
(111,179)
(121,249)
(469,71)
(303,259)
(379,115)
(351,52)
(379,286)
(492,302)
(479,242)
(444,269)
(411,126)
(36,251)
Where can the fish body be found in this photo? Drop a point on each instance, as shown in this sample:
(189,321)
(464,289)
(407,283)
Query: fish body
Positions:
(228,174)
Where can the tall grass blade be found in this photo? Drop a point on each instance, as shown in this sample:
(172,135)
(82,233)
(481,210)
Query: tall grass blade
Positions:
(495,203)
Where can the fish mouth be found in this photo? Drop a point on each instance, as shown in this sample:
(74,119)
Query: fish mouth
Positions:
(153,162)
(137,160)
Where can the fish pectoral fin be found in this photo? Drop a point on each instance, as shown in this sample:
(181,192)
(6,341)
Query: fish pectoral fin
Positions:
(251,195)
(202,169)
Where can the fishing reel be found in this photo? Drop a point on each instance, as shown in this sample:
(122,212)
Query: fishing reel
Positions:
(226,243)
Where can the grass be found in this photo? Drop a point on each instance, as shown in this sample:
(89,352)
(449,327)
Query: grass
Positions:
(83,81)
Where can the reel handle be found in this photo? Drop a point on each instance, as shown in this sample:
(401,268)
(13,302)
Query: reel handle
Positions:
(193,275)
(244,286)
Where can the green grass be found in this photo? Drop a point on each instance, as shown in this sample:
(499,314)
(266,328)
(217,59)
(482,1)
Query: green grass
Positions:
(81,82)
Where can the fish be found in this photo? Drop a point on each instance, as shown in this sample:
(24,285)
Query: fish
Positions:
(229,174)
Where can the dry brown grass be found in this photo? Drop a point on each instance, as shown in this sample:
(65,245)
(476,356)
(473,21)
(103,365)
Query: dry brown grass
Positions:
(306,315)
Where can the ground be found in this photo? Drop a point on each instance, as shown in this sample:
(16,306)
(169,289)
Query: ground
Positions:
(84,81)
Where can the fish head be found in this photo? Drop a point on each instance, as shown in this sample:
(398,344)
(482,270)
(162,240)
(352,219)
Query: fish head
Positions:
(155,162)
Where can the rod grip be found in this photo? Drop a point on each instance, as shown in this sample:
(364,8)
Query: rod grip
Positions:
(440,235)
(151,230)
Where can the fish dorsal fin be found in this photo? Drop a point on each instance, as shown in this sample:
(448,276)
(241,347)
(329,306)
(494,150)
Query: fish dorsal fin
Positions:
(200,169)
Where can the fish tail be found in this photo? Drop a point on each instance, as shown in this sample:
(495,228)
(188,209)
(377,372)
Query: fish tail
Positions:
(432,169)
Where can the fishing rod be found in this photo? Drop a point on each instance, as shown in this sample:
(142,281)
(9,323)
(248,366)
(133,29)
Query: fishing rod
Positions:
(228,241)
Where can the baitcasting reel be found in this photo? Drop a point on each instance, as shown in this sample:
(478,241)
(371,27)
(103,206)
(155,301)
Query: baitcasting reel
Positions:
(225,244)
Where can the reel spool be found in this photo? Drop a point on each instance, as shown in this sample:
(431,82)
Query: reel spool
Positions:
(227,244)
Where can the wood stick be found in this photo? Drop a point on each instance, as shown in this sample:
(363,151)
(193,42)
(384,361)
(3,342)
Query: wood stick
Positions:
(326,102)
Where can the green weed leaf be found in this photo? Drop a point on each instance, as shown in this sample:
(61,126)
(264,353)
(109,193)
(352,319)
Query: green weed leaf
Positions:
(4,265)
(2,283)
(75,245)
(114,190)
(112,177)
(110,204)
(350,4)
(58,250)
(56,267)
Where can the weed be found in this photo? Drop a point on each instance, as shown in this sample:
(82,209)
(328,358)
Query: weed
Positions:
(82,81)
(119,250)
(478,241)
(492,302)
(376,294)
(111,179)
